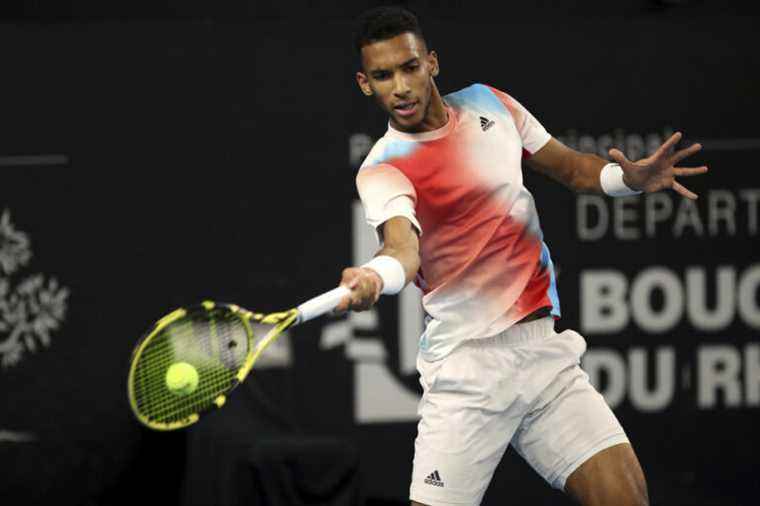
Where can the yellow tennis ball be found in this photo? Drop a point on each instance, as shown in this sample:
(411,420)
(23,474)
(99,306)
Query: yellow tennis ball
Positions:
(181,378)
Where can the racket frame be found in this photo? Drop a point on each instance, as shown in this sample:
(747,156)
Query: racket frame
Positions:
(281,321)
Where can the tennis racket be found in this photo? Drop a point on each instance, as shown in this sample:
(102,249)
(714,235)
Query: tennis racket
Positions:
(216,345)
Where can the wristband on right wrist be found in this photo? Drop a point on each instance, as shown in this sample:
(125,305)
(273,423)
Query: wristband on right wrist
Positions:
(390,271)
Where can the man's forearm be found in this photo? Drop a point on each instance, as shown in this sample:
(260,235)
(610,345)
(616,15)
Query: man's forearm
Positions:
(586,170)
(407,256)
(400,241)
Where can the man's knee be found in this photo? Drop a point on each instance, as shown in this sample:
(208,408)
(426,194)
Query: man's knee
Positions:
(612,476)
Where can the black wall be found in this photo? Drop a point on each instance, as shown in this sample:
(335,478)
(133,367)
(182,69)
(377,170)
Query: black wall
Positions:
(211,158)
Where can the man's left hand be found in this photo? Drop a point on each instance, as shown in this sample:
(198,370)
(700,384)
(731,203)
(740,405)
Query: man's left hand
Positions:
(659,171)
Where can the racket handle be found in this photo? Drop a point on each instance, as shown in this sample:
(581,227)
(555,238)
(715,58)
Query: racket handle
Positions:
(321,304)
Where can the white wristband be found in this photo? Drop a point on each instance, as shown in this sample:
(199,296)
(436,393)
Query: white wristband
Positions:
(390,271)
(611,179)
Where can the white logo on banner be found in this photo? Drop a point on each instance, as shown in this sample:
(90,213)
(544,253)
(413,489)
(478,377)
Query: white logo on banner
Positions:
(379,396)
(719,302)
(31,310)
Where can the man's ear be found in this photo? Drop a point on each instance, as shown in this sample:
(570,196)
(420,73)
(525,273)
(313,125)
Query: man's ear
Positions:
(363,82)
(433,62)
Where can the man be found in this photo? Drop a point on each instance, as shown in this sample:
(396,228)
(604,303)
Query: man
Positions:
(443,189)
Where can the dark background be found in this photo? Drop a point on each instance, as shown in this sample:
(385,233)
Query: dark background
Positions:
(202,151)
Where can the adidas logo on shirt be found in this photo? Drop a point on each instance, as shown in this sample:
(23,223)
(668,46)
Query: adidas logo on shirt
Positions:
(486,123)
(434,478)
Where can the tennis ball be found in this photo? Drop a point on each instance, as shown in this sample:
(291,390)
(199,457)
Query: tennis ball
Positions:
(181,378)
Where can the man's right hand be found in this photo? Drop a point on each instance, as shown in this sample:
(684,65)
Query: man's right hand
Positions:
(365,285)
(400,241)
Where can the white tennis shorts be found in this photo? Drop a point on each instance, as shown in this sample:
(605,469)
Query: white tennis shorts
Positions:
(524,387)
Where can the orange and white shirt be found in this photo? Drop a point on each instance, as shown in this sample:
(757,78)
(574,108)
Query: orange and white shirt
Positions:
(484,263)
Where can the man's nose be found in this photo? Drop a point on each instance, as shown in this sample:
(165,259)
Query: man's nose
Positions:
(401,85)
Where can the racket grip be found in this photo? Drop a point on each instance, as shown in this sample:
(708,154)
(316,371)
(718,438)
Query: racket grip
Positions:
(321,304)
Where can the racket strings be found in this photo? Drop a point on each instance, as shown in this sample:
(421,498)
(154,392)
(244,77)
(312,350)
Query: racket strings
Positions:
(214,342)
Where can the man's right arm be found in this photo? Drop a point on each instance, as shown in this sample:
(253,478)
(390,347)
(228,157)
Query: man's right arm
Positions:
(400,242)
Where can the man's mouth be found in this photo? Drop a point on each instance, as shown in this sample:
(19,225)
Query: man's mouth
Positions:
(405,108)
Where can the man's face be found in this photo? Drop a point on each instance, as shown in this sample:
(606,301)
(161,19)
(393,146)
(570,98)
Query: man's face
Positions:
(399,73)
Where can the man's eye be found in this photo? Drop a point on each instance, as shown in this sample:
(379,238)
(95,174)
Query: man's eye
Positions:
(382,75)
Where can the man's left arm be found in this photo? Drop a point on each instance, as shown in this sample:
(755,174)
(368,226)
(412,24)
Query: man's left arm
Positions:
(585,172)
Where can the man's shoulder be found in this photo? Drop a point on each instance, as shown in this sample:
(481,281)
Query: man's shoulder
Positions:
(478,96)
(468,91)
(387,148)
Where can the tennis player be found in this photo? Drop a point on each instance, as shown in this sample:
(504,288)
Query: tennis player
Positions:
(443,188)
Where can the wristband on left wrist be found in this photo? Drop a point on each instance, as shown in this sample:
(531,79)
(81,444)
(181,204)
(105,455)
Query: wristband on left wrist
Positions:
(612,182)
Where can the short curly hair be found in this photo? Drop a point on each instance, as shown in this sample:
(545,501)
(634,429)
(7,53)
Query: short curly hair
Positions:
(382,23)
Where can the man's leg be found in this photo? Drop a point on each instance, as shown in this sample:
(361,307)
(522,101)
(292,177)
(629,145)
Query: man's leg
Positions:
(571,431)
(612,476)
(469,410)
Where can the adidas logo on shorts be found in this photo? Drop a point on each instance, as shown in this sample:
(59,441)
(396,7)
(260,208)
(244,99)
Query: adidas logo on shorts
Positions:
(434,479)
